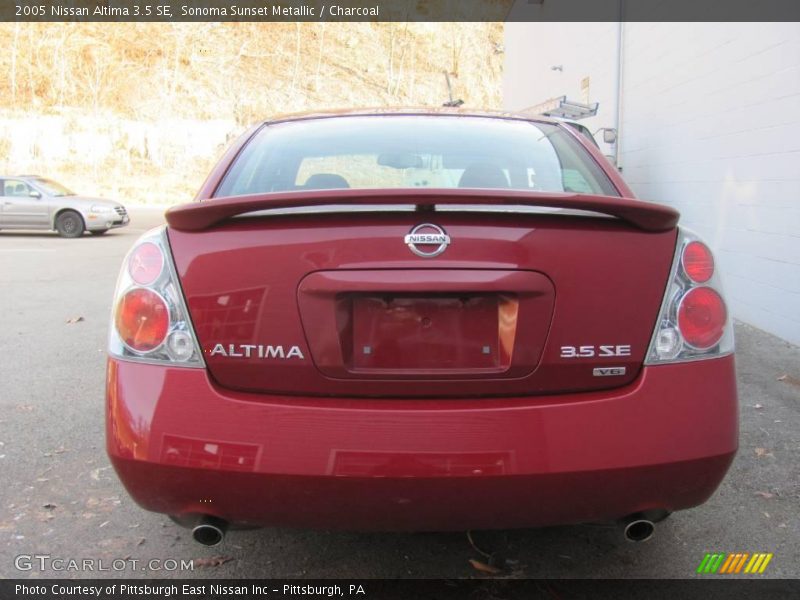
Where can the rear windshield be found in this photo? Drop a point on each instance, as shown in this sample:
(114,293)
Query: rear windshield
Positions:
(400,151)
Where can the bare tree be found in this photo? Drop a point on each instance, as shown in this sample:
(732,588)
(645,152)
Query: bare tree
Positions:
(14,52)
(296,56)
(319,55)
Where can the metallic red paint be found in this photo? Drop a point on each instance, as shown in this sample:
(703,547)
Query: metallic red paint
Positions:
(246,281)
(644,215)
(183,445)
(522,437)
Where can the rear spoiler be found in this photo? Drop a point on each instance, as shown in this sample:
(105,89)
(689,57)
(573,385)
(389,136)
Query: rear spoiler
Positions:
(197,216)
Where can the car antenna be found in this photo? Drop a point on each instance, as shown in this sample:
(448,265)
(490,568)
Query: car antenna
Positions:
(451,102)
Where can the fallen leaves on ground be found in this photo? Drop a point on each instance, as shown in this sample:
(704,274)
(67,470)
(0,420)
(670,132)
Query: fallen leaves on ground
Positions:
(72,320)
(49,506)
(214,561)
(763,452)
(105,505)
(483,567)
(786,378)
(61,450)
(95,473)
(495,565)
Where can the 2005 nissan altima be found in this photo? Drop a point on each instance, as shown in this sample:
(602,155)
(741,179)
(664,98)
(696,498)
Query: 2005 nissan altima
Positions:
(419,320)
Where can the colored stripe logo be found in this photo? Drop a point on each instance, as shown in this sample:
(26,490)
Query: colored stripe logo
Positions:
(734,563)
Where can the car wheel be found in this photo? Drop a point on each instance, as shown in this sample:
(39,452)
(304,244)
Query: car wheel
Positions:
(98,231)
(69,224)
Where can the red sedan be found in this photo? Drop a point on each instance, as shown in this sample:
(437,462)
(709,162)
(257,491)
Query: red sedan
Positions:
(419,320)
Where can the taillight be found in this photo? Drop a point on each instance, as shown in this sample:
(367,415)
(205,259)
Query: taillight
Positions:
(698,262)
(145,263)
(142,319)
(702,317)
(694,322)
(150,321)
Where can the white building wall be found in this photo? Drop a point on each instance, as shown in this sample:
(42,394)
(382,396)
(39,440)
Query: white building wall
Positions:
(710,125)
(580,50)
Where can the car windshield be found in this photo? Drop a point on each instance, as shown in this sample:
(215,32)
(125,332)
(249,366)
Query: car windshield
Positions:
(53,188)
(421,151)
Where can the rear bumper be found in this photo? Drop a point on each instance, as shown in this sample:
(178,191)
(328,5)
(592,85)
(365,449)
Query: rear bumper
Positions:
(182,445)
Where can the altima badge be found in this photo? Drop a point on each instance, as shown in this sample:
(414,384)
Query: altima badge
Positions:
(257,351)
(432,237)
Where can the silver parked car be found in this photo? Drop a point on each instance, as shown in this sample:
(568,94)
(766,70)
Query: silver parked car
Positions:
(33,202)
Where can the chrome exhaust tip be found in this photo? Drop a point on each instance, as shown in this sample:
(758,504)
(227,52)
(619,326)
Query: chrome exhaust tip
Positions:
(638,529)
(209,531)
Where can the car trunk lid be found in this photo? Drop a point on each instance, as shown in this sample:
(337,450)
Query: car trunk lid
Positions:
(336,303)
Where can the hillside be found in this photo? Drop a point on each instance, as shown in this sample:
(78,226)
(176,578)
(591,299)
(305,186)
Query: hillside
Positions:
(140,112)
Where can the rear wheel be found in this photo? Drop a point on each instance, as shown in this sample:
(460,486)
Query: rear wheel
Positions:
(98,231)
(69,224)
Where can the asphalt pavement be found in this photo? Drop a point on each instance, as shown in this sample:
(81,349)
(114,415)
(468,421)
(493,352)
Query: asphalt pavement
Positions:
(59,497)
